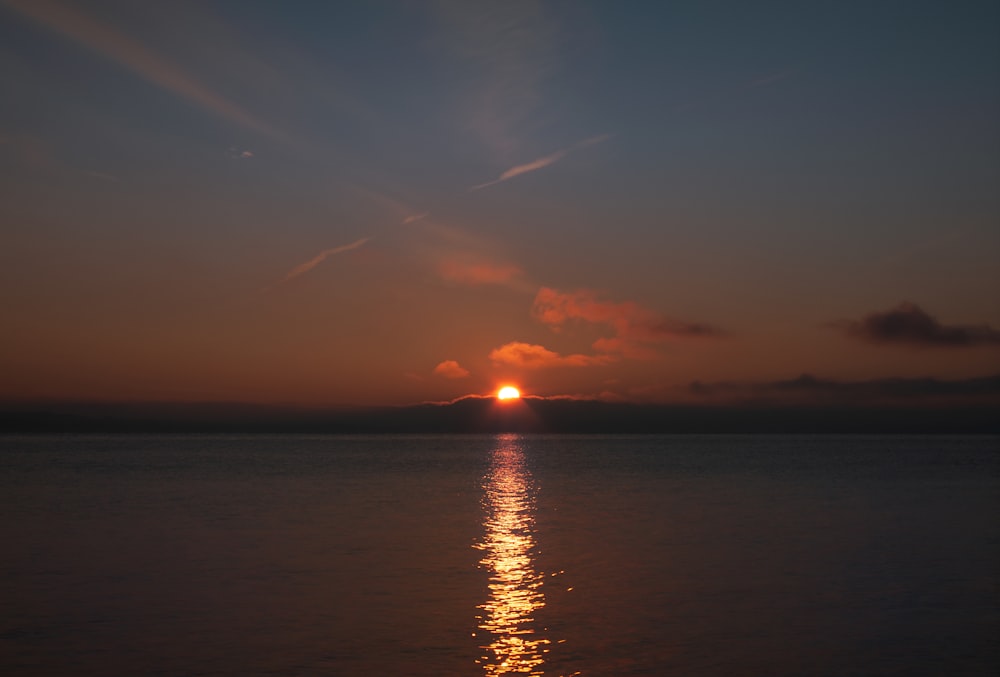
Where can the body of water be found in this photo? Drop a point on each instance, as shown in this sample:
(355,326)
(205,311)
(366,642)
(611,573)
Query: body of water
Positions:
(507,554)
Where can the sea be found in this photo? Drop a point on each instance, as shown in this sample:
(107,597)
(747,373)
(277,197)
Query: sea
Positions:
(499,554)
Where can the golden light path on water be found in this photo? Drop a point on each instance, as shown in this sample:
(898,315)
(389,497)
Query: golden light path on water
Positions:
(515,587)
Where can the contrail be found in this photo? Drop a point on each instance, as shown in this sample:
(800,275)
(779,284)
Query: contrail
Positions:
(415,217)
(319,258)
(83,28)
(532,166)
(542,162)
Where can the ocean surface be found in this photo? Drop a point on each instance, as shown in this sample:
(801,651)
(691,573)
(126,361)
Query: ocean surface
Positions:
(473,555)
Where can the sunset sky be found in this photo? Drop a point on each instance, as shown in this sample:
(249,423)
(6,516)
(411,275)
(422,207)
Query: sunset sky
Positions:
(378,202)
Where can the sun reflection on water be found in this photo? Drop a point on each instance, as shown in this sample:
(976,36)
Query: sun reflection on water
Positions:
(507,618)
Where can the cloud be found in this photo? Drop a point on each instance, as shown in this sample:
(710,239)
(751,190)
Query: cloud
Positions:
(478,272)
(415,217)
(532,166)
(542,162)
(465,258)
(319,258)
(100,37)
(635,328)
(592,141)
(510,50)
(451,369)
(809,389)
(908,324)
(532,356)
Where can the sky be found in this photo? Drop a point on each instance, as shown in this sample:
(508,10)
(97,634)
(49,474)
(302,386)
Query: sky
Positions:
(382,203)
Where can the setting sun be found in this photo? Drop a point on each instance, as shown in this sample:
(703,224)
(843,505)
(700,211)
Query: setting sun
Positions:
(508,393)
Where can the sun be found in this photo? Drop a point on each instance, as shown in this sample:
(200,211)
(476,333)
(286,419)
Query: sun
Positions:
(508,393)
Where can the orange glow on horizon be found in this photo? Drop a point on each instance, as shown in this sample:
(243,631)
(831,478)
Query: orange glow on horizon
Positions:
(508,393)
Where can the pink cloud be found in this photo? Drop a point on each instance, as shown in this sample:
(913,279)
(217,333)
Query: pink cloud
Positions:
(542,162)
(451,369)
(533,356)
(532,166)
(319,258)
(477,272)
(412,218)
(634,327)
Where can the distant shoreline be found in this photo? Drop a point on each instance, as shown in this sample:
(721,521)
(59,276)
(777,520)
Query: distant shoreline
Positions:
(475,415)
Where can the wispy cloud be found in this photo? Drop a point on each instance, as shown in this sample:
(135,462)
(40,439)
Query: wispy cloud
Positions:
(451,369)
(634,327)
(510,50)
(462,256)
(414,218)
(533,356)
(542,162)
(909,324)
(532,166)
(240,153)
(477,272)
(319,258)
(100,37)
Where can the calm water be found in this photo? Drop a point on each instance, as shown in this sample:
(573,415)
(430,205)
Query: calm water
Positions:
(499,555)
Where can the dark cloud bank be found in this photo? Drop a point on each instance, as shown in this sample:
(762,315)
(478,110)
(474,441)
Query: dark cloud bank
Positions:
(814,406)
(811,390)
(909,324)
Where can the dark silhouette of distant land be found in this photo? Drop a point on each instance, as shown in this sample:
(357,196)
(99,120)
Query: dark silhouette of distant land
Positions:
(478,414)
